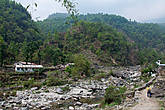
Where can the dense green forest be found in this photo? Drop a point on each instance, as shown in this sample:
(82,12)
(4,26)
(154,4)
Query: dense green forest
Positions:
(19,35)
(145,35)
(111,39)
(146,40)
(16,24)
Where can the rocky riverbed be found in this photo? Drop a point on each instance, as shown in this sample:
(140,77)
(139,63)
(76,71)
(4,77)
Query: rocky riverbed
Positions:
(80,95)
(46,97)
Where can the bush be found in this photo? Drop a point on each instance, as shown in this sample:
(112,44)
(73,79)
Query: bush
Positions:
(55,73)
(29,83)
(110,73)
(114,95)
(82,66)
(52,81)
(68,69)
(66,89)
(1,94)
(146,73)
(13,93)
(103,75)
(100,76)
(146,70)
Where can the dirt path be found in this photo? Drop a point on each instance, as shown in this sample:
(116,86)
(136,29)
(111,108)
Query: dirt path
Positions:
(146,103)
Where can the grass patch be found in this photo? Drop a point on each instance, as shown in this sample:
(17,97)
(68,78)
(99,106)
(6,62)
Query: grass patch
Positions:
(65,89)
(113,96)
(31,83)
(53,81)
(162,105)
(102,75)
(146,73)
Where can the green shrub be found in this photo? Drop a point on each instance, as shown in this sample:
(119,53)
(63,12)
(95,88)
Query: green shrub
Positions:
(114,95)
(82,66)
(87,100)
(53,73)
(146,73)
(100,76)
(68,69)
(1,94)
(52,81)
(66,89)
(146,70)
(110,73)
(29,83)
(13,93)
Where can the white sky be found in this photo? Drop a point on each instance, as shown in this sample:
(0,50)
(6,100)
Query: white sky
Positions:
(138,10)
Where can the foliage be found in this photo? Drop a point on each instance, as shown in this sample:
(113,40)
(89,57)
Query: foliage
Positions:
(2,51)
(114,94)
(54,81)
(131,43)
(16,24)
(146,73)
(113,39)
(147,69)
(81,66)
(65,89)
(101,75)
(29,83)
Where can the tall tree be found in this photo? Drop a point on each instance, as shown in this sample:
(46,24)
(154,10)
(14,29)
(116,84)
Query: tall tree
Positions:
(2,51)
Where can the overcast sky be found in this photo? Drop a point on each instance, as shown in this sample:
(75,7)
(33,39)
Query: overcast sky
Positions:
(139,10)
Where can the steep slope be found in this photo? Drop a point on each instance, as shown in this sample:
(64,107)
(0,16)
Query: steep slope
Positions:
(58,22)
(106,44)
(15,23)
(145,35)
(140,43)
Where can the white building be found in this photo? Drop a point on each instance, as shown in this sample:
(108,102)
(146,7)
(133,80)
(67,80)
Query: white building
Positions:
(161,68)
(26,67)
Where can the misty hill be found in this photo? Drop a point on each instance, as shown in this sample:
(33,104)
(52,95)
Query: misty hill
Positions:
(15,23)
(58,15)
(58,22)
(157,20)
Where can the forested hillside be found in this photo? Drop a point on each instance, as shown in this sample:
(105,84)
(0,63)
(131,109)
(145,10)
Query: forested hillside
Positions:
(107,39)
(146,41)
(19,36)
(58,22)
(93,61)
(145,35)
(15,23)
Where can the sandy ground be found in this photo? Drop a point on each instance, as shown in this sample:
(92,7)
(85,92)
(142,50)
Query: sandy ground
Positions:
(146,103)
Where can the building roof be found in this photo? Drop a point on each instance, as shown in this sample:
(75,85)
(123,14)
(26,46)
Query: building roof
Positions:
(158,63)
(25,63)
(29,66)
